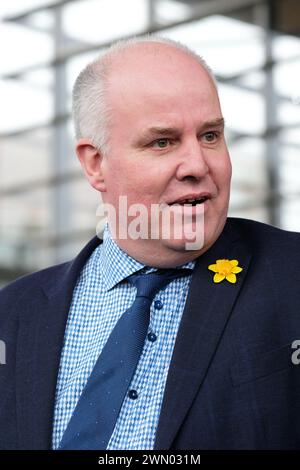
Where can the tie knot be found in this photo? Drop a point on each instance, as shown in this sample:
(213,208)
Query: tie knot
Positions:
(149,284)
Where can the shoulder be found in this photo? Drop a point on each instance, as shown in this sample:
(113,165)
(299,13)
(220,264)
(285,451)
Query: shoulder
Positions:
(48,280)
(262,236)
(273,250)
(18,288)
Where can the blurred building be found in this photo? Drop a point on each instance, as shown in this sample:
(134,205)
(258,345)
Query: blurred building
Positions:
(47,209)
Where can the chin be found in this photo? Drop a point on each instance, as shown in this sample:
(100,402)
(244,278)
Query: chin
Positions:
(184,245)
(189,239)
(197,242)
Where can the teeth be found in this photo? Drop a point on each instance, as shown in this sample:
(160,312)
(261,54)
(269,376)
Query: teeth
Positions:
(192,201)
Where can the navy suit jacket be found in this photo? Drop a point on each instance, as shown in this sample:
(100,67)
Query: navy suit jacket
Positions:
(231,382)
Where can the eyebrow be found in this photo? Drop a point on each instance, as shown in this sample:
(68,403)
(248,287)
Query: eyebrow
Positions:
(219,122)
(174,131)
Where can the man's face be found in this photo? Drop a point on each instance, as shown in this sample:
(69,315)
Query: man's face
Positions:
(166,145)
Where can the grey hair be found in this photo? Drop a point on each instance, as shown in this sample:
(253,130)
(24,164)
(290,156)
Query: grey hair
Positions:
(91,113)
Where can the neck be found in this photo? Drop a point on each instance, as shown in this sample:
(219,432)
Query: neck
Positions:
(154,255)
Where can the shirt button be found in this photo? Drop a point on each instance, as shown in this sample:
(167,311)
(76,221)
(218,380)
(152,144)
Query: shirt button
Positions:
(152,337)
(133,394)
(158,305)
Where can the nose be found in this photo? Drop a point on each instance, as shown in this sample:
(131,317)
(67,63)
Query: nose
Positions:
(193,164)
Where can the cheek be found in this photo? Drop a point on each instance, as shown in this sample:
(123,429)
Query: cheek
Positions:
(139,184)
(221,173)
(151,177)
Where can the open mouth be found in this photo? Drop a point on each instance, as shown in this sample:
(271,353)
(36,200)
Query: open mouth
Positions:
(190,202)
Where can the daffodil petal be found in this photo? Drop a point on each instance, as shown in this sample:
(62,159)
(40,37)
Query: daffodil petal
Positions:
(231,278)
(213,267)
(234,262)
(219,277)
(236,270)
(225,269)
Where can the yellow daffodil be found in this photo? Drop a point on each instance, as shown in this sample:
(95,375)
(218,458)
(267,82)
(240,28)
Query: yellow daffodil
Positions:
(225,269)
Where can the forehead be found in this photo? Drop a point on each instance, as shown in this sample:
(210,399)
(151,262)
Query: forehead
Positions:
(160,83)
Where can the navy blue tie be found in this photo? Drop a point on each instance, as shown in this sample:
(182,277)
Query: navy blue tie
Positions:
(98,407)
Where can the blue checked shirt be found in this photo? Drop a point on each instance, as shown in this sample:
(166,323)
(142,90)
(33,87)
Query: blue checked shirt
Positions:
(99,299)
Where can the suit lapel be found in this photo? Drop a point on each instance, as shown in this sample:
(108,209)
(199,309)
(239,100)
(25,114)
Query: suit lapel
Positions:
(204,319)
(42,326)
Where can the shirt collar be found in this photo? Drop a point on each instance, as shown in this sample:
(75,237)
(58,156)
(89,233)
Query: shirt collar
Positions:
(122,265)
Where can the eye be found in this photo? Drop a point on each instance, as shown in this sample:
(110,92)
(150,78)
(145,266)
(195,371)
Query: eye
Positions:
(211,136)
(161,143)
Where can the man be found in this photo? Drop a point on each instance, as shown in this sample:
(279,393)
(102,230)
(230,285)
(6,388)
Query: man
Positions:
(215,370)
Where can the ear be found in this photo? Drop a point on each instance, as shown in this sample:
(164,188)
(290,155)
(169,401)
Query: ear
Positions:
(91,161)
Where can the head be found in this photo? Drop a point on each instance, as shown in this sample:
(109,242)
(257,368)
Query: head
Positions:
(150,129)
